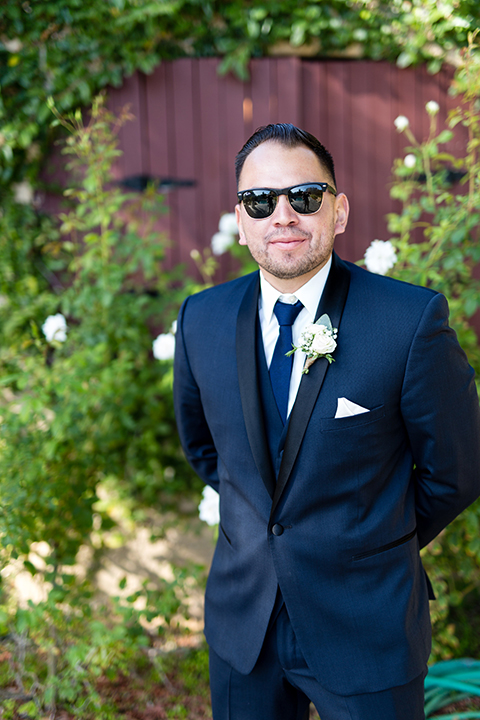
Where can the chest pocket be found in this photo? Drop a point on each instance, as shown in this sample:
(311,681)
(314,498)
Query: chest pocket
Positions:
(352,421)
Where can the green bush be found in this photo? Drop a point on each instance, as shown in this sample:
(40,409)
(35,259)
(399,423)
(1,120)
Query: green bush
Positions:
(436,236)
(83,403)
(55,652)
(95,403)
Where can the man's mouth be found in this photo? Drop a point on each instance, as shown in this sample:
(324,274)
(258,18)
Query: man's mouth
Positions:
(287,243)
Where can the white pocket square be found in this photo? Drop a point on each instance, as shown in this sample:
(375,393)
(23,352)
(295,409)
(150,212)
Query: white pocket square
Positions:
(347,408)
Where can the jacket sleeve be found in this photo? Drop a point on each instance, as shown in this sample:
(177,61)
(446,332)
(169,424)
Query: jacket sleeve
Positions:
(441,413)
(192,426)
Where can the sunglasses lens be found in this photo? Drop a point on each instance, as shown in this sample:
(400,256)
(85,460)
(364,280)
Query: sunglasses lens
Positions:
(305,199)
(259,203)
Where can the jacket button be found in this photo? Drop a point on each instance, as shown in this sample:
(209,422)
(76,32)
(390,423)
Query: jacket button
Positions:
(277,529)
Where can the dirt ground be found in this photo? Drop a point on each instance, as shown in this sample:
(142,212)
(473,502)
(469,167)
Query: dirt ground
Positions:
(131,553)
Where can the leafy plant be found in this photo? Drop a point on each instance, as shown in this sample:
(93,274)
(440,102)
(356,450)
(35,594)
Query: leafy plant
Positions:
(54,653)
(436,236)
(437,232)
(83,405)
(97,404)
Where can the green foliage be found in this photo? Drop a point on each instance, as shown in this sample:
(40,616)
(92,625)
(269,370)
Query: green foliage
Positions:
(56,652)
(90,408)
(70,49)
(97,405)
(194,671)
(437,231)
(436,236)
(452,562)
(402,32)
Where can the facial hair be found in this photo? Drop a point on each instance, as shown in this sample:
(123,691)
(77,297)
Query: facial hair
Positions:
(289,266)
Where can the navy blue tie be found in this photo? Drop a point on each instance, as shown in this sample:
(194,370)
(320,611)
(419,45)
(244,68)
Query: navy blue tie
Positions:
(281,366)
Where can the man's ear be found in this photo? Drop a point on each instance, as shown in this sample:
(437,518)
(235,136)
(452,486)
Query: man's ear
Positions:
(241,235)
(342,210)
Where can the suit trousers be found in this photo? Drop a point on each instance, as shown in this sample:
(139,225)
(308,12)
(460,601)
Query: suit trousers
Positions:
(281,687)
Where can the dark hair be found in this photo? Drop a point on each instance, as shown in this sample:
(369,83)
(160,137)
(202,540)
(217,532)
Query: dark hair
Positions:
(288,135)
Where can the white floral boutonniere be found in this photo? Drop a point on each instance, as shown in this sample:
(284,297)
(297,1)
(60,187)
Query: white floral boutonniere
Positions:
(318,340)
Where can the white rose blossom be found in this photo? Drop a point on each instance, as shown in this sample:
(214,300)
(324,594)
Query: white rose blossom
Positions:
(410,160)
(401,123)
(380,257)
(209,508)
(322,341)
(55,328)
(225,237)
(163,346)
(23,193)
(221,241)
(432,107)
(13,46)
(228,224)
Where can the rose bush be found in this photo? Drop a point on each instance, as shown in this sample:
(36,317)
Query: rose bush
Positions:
(436,238)
(92,403)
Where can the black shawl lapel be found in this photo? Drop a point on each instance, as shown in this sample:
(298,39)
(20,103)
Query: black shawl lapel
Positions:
(332,302)
(248,381)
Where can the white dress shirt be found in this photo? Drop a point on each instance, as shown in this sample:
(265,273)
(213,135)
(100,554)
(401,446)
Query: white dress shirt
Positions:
(309,295)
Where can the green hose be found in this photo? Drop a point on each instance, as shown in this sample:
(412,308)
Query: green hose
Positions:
(448,682)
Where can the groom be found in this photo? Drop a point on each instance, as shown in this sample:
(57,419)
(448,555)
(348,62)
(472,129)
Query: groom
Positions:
(330,481)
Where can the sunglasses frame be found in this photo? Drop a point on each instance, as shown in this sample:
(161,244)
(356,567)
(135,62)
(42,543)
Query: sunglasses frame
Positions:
(274,192)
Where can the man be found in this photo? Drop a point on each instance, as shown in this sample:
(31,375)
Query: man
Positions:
(330,481)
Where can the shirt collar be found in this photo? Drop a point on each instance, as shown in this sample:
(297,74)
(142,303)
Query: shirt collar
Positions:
(309,294)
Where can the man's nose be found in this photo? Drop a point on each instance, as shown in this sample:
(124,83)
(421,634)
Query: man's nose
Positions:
(284,213)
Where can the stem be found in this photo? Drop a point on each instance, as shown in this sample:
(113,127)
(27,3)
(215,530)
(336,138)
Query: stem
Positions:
(52,672)
(411,136)
(429,179)
(471,160)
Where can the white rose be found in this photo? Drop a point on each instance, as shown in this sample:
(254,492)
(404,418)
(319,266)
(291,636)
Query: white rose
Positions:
(360,34)
(221,241)
(322,340)
(410,160)
(13,46)
(173,329)
(380,256)
(228,224)
(55,328)
(164,346)
(401,123)
(432,107)
(23,193)
(209,508)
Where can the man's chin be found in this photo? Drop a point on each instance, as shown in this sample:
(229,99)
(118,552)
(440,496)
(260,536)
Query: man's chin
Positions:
(293,271)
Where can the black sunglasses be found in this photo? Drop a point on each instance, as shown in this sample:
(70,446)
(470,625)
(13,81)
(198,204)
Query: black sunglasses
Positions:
(305,199)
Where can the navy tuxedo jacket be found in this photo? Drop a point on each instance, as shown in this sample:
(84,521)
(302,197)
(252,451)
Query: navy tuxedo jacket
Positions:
(356,497)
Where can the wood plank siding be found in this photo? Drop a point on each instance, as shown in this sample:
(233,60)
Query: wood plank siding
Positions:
(190,122)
